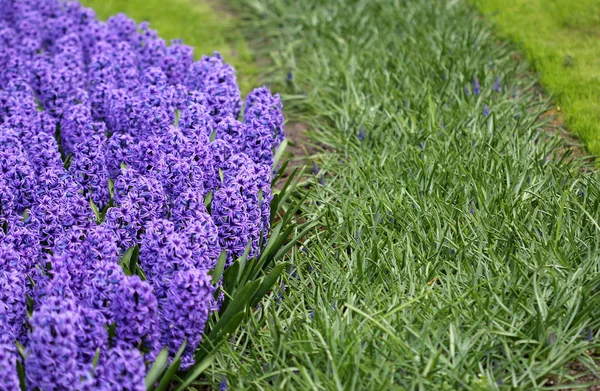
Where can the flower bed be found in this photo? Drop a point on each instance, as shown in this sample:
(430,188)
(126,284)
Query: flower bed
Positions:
(125,172)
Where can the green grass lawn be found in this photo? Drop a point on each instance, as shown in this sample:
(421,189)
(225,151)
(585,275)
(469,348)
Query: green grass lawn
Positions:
(196,21)
(451,253)
(562,39)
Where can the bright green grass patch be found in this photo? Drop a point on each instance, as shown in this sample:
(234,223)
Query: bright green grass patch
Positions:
(562,39)
(195,21)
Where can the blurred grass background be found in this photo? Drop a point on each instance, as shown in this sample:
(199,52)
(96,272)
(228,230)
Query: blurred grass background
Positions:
(561,38)
(201,24)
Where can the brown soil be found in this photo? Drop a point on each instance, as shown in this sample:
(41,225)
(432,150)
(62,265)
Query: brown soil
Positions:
(571,145)
(297,152)
(556,126)
(297,148)
(584,379)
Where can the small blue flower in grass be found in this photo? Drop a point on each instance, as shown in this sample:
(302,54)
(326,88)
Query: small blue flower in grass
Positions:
(290,76)
(223,386)
(312,313)
(322,180)
(280,295)
(361,132)
(293,273)
(377,217)
(476,87)
(497,85)
(486,110)
(315,168)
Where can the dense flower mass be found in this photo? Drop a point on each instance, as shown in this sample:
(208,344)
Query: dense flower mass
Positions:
(113,143)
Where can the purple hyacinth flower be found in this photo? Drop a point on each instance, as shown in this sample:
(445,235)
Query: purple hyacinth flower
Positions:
(184,312)
(135,312)
(109,112)
(9,378)
(51,353)
(122,369)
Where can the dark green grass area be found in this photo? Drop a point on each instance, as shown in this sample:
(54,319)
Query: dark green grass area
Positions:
(455,250)
(197,22)
(562,39)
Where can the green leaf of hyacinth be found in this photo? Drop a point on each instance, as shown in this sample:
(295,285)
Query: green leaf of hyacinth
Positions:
(307,227)
(279,173)
(206,354)
(111,188)
(20,349)
(229,278)
(159,366)
(134,259)
(126,260)
(197,370)
(104,211)
(279,153)
(177,117)
(165,381)
(268,283)
(238,304)
(112,331)
(96,358)
(218,270)
(68,160)
(208,200)
(95,209)
(140,273)
(21,373)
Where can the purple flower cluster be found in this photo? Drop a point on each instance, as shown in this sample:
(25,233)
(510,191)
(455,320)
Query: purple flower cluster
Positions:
(111,143)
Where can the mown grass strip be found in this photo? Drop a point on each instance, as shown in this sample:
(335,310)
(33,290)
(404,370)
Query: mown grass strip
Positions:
(562,40)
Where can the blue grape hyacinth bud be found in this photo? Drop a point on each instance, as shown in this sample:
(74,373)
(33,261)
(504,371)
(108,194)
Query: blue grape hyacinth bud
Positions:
(476,87)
